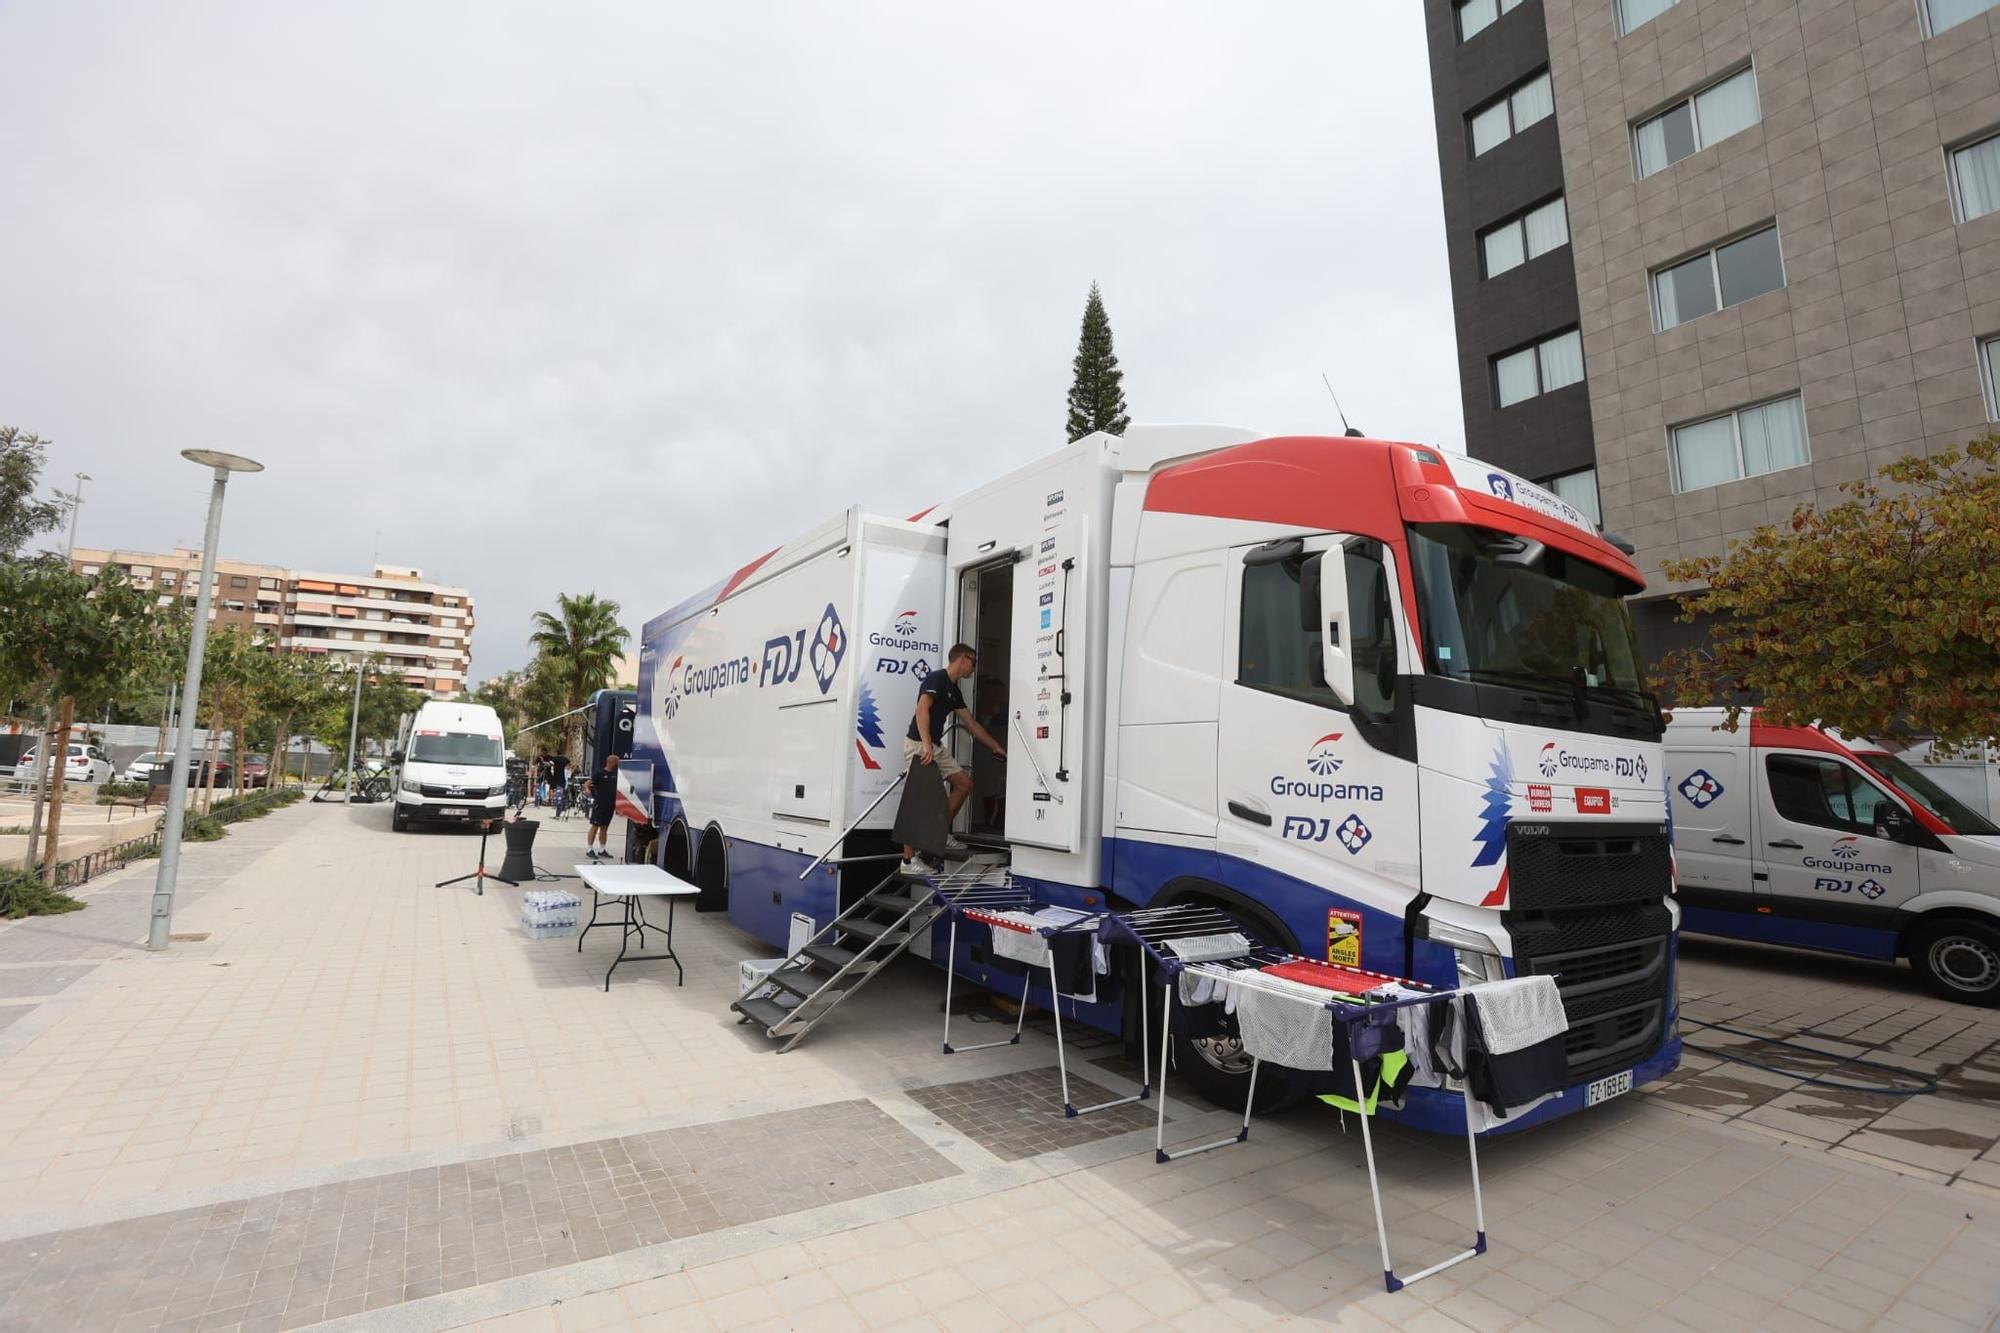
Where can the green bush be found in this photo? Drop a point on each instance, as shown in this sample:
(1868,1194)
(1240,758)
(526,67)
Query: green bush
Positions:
(107,792)
(22,894)
(202,828)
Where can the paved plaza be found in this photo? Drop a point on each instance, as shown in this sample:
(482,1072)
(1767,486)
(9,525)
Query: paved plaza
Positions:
(350,1098)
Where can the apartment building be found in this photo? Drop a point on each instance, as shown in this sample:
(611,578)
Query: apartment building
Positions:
(1711,258)
(422,629)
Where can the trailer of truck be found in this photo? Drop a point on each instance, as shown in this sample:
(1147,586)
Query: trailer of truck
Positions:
(1381,701)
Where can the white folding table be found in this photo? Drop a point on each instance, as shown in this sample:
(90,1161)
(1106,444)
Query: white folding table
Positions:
(631,884)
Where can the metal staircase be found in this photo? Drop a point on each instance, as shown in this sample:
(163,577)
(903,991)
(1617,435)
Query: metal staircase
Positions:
(854,947)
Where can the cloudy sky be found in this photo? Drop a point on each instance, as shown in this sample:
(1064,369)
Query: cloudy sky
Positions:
(614,297)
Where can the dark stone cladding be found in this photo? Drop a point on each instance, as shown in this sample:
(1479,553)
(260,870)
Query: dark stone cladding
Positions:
(1550,434)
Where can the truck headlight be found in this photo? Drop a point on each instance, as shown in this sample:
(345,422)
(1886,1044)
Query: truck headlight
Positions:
(1477,956)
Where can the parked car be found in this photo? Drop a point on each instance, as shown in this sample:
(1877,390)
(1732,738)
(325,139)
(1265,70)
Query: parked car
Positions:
(141,769)
(256,770)
(86,763)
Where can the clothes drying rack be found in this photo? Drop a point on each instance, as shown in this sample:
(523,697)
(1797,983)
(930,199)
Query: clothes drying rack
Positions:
(1187,938)
(1010,907)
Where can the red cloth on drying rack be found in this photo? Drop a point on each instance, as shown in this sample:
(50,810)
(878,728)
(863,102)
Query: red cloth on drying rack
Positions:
(1328,976)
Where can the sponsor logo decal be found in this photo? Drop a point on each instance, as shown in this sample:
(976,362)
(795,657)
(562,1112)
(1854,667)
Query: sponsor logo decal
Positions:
(1353,834)
(1700,789)
(1541,800)
(1500,485)
(1046,571)
(1048,544)
(1867,888)
(1045,617)
(1490,838)
(1847,848)
(1048,598)
(1320,757)
(1593,800)
(1553,759)
(1055,497)
(868,727)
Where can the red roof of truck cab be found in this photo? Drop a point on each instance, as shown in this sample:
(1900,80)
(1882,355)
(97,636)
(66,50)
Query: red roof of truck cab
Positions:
(1363,486)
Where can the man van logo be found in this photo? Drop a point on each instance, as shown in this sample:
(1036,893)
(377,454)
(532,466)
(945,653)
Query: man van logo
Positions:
(829,646)
(1353,834)
(1499,485)
(1847,849)
(1320,757)
(1870,889)
(1700,789)
(1548,760)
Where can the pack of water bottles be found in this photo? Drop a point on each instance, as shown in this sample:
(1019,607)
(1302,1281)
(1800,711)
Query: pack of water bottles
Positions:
(549,913)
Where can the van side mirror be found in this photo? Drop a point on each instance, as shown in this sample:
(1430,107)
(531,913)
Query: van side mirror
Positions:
(1894,823)
(1336,632)
(396,757)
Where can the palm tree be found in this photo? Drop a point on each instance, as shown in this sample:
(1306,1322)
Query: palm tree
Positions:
(583,642)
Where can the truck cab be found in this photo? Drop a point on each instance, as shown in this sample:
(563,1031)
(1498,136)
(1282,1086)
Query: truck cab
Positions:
(1795,835)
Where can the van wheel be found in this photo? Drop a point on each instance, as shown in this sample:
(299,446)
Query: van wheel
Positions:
(398,821)
(1959,959)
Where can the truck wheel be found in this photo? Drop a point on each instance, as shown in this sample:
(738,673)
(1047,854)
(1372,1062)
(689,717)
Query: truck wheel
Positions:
(1959,959)
(398,821)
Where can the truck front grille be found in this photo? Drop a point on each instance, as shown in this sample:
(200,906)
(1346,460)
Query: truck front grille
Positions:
(1585,907)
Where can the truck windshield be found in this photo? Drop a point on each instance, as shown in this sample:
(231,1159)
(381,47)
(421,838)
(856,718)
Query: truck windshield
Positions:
(455,747)
(1498,610)
(1921,789)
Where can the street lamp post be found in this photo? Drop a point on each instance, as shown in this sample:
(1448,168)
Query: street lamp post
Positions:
(170,829)
(76,508)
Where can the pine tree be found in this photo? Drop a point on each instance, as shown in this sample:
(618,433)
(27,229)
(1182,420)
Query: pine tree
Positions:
(1097,396)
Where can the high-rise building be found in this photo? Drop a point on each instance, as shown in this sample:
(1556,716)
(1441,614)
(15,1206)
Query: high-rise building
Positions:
(421,630)
(1711,258)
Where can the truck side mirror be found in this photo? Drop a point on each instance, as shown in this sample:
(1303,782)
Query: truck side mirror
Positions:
(1336,630)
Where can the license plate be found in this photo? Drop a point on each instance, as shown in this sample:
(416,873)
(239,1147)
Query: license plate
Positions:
(1604,1089)
(461,812)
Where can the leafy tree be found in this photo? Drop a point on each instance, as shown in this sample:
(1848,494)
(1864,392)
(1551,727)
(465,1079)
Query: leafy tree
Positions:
(1097,393)
(292,686)
(580,644)
(384,702)
(502,693)
(1878,616)
(69,637)
(23,517)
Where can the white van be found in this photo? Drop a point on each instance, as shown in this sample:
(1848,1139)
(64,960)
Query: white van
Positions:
(1795,835)
(451,769)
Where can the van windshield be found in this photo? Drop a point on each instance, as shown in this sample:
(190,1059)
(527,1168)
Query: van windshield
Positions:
(1921,789)
(455,747)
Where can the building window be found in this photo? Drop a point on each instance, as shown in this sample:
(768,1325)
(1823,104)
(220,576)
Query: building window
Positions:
(1745,443)
(1637,13)
(1529,236)
(1546,366)
(89,570)
(1579,490)
(1476,16)
(1727,275)
(1975,178)
(1521,106)
(1989,372)
(1726,107)
(1942,14)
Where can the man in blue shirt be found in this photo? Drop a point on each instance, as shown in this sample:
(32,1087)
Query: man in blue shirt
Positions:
(938,699)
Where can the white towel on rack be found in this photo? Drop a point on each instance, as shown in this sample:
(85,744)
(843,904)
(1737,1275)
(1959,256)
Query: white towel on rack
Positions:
(1203,948)
(1026,945)
(1199,987)
(1283,1023)
(1517,1013)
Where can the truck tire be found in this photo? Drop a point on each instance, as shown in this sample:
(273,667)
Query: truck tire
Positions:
(1958,958)
(1216,1067)
(398,821)
(711,871)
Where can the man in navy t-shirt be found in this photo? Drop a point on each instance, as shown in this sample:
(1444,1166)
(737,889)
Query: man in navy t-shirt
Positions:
(938,700)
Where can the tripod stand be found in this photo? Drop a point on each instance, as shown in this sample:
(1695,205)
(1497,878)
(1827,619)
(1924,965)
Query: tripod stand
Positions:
(482,874)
